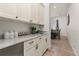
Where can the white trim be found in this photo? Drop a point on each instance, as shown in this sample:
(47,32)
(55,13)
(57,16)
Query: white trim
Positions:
(73,48)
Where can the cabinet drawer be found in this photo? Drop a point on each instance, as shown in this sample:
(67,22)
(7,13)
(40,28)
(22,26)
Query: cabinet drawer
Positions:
(30,52)
(31,43)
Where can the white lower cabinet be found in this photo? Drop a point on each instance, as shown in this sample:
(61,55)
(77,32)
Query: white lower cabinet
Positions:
(37,46)
(39,50)
(44,43)
(30,47)
(30,52)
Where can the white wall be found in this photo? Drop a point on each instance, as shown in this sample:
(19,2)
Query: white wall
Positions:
(62,24)
(60,13)
(73,28)
(60,10)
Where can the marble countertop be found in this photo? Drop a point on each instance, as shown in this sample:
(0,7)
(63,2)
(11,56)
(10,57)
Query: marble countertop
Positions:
(9,42)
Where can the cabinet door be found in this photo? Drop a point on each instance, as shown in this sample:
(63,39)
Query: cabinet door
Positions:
(23,11)
(8,10)
(34,13)
(41,46)
(44,44)
(39,49)
(37,13)
(30,47)
(30,52)
(48,41)
(41,14)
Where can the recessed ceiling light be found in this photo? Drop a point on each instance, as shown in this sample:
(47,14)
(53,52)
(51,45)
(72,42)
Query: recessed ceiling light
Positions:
(54,7)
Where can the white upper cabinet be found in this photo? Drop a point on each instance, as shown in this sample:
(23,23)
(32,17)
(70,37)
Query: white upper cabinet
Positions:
(23,11)
(34,13)
(37,13)
(8,10)
(27,12)
(41,14)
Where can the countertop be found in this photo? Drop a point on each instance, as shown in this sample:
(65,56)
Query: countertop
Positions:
(9,42)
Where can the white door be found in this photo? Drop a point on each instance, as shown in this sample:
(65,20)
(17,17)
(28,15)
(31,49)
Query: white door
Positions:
(8,10)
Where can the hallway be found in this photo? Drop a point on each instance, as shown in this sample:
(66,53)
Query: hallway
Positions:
(60,48)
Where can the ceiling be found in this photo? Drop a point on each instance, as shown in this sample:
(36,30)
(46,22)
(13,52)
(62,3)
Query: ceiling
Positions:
(58,9)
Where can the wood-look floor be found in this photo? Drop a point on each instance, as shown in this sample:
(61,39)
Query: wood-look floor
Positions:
(60,48)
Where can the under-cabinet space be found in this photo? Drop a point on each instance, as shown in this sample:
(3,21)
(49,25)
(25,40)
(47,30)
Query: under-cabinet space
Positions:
(15,50)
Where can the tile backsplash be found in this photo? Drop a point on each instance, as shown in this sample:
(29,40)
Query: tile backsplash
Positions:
(13,26)
(16,26)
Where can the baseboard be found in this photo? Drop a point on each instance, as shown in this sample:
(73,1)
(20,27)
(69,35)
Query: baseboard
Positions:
(63,36)
(73,48)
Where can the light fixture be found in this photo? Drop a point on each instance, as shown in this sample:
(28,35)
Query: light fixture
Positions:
(54,6)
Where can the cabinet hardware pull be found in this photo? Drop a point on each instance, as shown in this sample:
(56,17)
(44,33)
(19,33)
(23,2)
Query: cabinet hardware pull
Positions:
(39,38)
(46,40)
(31,42)
(30,20)
(16,16)
(36,46)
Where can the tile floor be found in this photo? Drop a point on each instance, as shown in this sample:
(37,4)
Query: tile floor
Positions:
(60,48)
